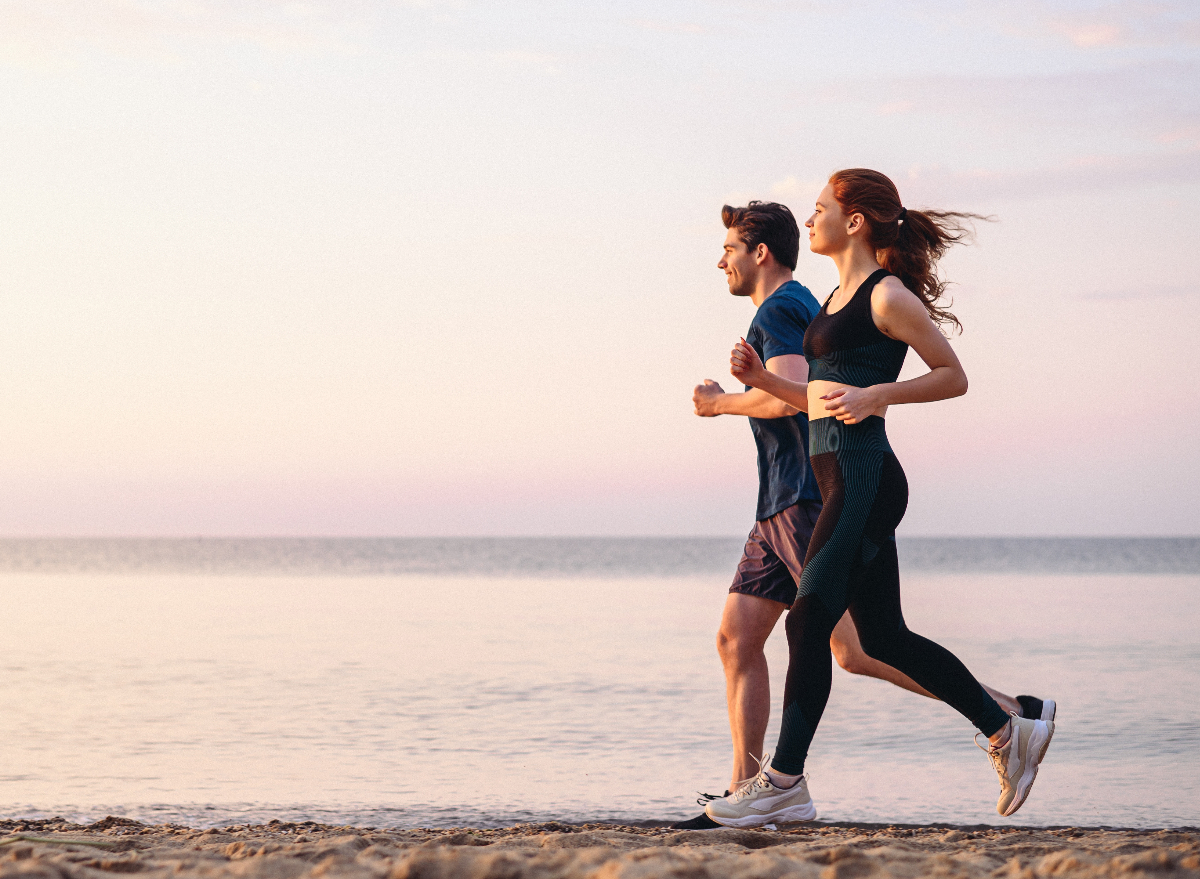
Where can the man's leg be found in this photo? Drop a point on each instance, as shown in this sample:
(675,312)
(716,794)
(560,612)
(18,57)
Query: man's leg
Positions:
(848,651)
(746,623)
(762,590)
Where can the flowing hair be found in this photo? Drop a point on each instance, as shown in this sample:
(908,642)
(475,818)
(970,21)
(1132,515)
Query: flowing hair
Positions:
(907,243)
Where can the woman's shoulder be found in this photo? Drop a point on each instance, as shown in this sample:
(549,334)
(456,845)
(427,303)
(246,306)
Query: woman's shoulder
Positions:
(890,295)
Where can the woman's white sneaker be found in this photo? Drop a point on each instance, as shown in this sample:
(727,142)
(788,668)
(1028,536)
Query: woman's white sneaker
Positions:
(761,802)
(1017,761)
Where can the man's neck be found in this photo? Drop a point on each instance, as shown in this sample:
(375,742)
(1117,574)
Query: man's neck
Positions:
(768,283)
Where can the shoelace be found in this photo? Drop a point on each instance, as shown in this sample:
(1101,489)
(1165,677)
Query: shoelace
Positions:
(993,755)
(760,783)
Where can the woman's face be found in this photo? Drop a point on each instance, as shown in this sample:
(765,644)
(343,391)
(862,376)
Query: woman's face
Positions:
(828,230)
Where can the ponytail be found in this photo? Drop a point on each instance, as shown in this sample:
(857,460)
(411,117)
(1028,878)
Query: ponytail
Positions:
(908,243)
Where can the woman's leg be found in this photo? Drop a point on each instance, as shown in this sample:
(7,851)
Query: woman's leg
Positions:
(875,608)
(1017,746)
(832,551)
(806,689)
(848,653)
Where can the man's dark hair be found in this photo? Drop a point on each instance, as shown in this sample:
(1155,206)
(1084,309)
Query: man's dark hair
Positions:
(765,222)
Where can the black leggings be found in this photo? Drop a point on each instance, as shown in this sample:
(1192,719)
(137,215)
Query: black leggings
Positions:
(851,563)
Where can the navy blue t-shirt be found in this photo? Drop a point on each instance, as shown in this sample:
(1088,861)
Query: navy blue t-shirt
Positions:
(784,476)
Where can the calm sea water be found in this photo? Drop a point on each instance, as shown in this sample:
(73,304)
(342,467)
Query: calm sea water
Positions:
(486,682)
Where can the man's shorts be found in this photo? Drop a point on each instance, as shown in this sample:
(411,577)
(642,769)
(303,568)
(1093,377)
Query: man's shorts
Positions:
(774,554)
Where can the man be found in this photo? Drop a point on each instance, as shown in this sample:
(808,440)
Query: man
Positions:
(760,252)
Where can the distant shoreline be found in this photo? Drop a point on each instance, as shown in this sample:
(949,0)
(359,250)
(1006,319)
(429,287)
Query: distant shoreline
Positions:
(562,556)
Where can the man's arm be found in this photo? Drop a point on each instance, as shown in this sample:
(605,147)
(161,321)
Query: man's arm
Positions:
(711,400)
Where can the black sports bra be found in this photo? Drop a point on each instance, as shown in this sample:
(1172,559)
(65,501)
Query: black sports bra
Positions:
(847,347)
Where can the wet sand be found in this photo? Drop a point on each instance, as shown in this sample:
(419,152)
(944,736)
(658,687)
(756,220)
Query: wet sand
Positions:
(55,849)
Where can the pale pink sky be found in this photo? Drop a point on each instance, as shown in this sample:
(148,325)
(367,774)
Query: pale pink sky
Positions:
(438,268)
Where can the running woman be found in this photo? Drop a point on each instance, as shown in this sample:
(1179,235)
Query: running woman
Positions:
(887,300)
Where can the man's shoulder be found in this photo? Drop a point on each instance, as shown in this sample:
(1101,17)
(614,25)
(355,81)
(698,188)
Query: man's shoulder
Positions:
(793,298)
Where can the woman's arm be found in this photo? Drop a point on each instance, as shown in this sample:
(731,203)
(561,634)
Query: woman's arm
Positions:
(900,314)
(746,365)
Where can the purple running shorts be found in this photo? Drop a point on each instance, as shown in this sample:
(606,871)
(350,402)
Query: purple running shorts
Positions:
(774,554)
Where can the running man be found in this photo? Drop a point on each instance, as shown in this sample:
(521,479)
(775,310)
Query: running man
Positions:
(760,253)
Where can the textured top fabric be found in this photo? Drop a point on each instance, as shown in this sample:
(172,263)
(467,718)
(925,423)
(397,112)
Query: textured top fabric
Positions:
(847,347)
(784,477)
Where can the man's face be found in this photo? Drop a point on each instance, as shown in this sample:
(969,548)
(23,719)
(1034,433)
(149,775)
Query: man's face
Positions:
(739,265)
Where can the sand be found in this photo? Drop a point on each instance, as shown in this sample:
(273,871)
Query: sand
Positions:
(55,849)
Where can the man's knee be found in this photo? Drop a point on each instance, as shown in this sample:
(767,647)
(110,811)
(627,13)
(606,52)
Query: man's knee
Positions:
(745,626)
(737,648)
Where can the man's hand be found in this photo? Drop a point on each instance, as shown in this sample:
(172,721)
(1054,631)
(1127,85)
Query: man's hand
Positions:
(711,400)
(706,396)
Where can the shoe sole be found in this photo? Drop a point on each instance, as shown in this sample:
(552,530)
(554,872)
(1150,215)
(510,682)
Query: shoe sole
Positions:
(805,812)
(692,824)
(1049,709)
(1031,770)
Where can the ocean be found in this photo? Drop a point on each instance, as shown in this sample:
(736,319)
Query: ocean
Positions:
(486,682)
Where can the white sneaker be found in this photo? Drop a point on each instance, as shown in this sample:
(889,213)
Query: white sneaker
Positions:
(761,802)
(1017,761)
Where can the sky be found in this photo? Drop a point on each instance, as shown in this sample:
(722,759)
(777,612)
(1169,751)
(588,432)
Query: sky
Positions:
(449,268)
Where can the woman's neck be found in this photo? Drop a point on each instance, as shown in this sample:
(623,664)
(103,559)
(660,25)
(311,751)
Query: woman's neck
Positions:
(854,264)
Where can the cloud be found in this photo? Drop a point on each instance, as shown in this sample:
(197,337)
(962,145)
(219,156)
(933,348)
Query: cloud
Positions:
(1129,24)
(48,28)
(1148,101)
(1088,34)
(1088,24)
(1149,291)
(801,191)
(663,26)
(1083,175)
(543,62)
(939,185)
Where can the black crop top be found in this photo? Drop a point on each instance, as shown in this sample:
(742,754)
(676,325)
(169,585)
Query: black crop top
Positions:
(847,347)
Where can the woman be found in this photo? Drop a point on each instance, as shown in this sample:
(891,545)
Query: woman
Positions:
(887,300)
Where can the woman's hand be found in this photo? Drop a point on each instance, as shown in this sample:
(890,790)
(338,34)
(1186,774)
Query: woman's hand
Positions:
(852,405)
(745,364)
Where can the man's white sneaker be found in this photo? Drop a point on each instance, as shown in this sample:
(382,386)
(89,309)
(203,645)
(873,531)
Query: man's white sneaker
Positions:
(1017,761)
(761,802)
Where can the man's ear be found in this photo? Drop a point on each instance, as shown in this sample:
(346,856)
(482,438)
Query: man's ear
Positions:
(761,252)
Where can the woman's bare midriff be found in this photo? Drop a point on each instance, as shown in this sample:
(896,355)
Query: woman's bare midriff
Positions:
(816,406)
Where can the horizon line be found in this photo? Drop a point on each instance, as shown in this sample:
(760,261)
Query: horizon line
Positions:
(202,537)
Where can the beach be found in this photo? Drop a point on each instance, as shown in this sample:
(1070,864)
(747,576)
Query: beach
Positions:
(56,849)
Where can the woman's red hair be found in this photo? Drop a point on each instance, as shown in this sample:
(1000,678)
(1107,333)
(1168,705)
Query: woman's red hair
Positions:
(907,243)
